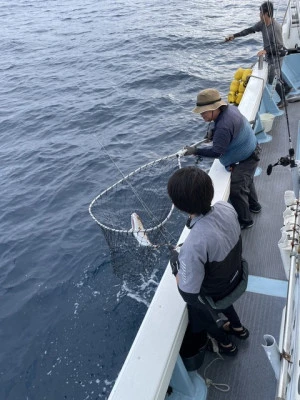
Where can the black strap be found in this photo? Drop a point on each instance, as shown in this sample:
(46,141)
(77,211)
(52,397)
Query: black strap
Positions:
(208,103)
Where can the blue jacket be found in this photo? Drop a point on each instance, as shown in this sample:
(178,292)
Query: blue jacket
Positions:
(233,138)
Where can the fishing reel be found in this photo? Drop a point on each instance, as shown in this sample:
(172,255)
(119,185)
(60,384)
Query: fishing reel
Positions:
(284,161)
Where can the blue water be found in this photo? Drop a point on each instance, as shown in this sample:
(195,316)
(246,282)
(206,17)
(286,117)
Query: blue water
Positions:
(79,81)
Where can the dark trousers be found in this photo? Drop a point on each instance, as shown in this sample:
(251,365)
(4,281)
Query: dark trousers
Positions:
(242,190)
(201,319)
(274,69)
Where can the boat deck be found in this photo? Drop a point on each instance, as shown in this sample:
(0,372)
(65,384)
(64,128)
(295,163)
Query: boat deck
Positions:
(260,308)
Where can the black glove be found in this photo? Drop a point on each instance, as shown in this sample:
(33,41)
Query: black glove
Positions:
(188,222)
(190,150)
(174,262)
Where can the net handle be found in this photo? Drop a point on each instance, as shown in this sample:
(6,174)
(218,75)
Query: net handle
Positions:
(182,152)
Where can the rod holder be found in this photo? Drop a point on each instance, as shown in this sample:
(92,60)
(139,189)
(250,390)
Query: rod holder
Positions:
(273,353)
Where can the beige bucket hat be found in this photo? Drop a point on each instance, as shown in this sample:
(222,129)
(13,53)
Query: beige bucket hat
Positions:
(208,100)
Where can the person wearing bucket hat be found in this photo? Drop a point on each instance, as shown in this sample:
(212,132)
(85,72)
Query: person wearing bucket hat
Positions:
(208,100)
(273,50)
(235,144)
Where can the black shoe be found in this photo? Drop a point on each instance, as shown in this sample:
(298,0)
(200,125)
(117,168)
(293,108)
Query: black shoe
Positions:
(230,350)
(242,334)
(255,209)
(246,225)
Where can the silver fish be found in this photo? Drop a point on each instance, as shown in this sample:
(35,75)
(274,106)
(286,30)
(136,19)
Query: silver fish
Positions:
(138,230)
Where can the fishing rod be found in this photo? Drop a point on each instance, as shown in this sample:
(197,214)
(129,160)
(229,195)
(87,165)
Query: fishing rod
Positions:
(290,158)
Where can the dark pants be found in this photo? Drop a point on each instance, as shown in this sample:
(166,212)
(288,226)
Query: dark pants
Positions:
(274,69)
(201,319)
(242,190)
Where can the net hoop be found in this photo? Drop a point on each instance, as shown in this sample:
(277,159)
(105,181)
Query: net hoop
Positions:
(179,154)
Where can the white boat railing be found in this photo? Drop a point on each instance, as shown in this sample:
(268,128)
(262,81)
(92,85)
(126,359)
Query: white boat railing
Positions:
(291,24)
(289,375)
(251,99)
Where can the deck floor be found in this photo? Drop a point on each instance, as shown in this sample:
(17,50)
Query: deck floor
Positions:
(249,374)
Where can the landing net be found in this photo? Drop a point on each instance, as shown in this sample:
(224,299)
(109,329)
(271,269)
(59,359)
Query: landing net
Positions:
(143,192)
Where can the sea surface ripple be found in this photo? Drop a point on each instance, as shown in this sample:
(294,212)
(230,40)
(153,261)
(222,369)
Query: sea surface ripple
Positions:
(81,83)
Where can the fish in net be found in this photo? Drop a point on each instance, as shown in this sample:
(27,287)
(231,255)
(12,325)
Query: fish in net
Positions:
(134,213)
(137,217)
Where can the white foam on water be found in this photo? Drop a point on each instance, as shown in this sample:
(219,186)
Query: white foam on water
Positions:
(141,291)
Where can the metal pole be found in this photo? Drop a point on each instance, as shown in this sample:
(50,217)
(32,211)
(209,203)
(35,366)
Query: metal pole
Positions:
(289,314)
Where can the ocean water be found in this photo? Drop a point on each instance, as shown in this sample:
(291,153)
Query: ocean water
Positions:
(82,84)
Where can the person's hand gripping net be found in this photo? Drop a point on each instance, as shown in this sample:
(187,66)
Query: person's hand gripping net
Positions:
(190,150)
(229,38)
(174,262)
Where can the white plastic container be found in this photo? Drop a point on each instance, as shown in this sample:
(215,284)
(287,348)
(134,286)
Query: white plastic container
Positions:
(267,121)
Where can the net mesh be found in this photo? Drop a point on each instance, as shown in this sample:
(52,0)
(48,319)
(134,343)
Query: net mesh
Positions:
(144,192)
